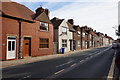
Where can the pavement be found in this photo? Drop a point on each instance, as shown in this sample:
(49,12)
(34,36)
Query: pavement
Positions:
(5,64)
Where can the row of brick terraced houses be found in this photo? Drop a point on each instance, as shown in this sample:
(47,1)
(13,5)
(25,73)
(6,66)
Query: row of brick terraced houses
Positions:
(27,33)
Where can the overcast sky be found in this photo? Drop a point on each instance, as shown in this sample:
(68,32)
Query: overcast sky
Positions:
(101,15)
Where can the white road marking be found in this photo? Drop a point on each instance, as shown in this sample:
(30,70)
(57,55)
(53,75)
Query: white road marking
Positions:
(59,71)
(26,76)
(73,65)
(65,63)
(81,60)
(111,71)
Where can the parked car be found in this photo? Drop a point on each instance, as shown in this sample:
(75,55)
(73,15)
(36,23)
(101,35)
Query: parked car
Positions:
(114,45)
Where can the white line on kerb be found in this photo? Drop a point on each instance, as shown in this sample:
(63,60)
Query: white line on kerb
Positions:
(59,71)
(111,71)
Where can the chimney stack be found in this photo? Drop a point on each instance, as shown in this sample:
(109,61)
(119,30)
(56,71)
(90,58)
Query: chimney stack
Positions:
(47,12)
(71,21)
(40,10)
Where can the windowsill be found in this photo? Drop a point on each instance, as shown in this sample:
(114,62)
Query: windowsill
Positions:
(43,31)
(43,48)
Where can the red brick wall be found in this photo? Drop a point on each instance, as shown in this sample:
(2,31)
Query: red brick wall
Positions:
(0,38)
(11,28)
(76,37)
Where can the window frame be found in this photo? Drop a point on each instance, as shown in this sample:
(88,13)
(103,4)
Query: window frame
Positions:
(44,26)
(79,43)
(62,30)
(42,43)
(83,34)
(64,42)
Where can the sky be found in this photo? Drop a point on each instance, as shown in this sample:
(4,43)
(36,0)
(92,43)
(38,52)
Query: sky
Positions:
(101,15)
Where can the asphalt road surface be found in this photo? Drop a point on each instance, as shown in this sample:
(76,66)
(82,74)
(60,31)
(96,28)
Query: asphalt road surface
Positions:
(94,63)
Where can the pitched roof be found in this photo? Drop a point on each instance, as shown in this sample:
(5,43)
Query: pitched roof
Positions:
(16,10)
(56,22)
(94,34)
(70,27)
(43,17)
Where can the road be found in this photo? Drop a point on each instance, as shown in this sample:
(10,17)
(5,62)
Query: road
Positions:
(94,63)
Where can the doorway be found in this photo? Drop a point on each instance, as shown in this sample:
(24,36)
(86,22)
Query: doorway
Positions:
(27,47)
(11,47)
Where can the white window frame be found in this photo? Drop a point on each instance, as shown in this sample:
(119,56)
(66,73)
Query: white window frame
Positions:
(46,25)
(64,30)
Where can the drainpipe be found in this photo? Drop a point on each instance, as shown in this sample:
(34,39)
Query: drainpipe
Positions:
(20,40)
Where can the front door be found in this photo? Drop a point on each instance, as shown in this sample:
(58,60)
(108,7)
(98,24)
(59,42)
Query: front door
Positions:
(26,45)
(11,47)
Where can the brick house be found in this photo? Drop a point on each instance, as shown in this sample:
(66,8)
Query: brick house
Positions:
(76,35)
(101,36)
(23,34)
(94,39)
(86,37)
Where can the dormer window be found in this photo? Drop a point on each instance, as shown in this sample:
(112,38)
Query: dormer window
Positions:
(64,30)
(44,26)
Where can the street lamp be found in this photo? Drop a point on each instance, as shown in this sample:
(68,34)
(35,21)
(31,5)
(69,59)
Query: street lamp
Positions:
(116,31)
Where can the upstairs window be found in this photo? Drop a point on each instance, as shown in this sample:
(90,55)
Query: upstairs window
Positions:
(78,33)
(83,34)
(64,30)
(90,36)
(44,26)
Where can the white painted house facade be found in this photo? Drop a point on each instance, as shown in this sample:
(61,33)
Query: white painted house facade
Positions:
(65,36)
(62,34)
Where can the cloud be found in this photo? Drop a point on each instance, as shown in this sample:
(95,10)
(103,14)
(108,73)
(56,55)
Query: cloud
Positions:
(101,16)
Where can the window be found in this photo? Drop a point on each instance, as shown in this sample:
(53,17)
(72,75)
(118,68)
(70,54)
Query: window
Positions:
(64,43)
(90,43)
(83,43)
(83,34)
(90,36)
(78,33)
(13,45)
(64,30)
(9,45)
(78,43)
(44,43)
(43,26)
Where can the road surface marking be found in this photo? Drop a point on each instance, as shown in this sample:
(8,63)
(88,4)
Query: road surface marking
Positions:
(65,63)
(111,71)
(73,65)
(26,76)
(81,60)
(59,71)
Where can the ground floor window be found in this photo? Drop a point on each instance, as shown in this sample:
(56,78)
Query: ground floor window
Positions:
(78,43)
(90,43)
(44,43)
(83,43)
(64,42)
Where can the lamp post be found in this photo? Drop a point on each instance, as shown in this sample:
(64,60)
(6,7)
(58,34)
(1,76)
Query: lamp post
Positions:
(117,31)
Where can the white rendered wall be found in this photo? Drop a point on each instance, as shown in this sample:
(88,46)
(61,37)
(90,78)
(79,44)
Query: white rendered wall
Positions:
(67,36)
